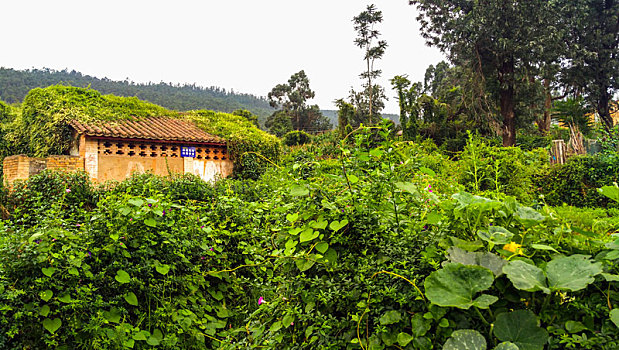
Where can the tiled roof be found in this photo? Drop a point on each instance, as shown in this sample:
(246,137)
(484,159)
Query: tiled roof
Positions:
(150,128)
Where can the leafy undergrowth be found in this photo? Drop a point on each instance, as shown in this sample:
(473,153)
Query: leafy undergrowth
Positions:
(375,248)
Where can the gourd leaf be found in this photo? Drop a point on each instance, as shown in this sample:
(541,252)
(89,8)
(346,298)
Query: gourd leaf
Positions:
(528,216)
(506,345)
(131,298)
(465,339)
(571,272)
(614,316)
(496,235)
(456,285)
(521,328)
(525,276)
(488,260)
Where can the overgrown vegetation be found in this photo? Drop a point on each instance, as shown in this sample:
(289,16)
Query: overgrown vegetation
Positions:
(363,243)
(42,129)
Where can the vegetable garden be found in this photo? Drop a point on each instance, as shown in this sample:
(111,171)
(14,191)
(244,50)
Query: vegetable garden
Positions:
(361,243)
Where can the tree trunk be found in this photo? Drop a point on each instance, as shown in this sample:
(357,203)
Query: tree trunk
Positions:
(603,109)
(543,125)
(507,102)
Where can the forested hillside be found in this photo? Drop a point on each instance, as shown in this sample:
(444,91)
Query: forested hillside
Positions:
(15,84)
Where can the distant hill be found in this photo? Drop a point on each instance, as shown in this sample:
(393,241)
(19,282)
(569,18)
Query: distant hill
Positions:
(15,84)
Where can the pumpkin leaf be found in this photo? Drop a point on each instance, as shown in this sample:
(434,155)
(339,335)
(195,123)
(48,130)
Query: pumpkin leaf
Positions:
(456,285)
(465,339)
(52,325)
(521,328)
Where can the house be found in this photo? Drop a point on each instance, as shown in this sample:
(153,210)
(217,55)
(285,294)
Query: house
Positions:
(113,150)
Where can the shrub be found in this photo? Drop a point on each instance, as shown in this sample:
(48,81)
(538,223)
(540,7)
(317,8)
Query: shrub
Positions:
(575,182)
(296,138)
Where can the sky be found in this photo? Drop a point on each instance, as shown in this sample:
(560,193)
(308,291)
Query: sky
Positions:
(246,45)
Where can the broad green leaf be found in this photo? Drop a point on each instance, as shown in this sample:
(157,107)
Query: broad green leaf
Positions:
(376,152)
(404,338)
(420,325)
(521,328)
(136,202)
(276,326)
(150,222)
(48,271)
(407,187)
(456,285)
(304,265)
(610,277)
(390,317)
(322,247)
(571,272)
(434,217)
(525,276)
(131,298)
(353,179)
(52,325)
(528,216)
(44,310)
(488,260)
(163,269)
(46,295)
(337,225)
(506,345)
(574,326)
(496,235)
(427,171)
(331,256)
(113,315)
(465,339)
(611,192)
(614,316)
(122,276)
(73,271)
(141,335)
(308,235)
(65,298)
(292,217)
(320,225)
(299,191)
(484,301)
(129,343)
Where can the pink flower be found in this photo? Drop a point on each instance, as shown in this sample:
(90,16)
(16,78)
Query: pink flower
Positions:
(68,190)
(261,301)
(292,323)
(211,249)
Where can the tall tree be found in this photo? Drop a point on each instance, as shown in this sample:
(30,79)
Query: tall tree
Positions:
(502,40)
(291,99)
(367,39)
(593,56)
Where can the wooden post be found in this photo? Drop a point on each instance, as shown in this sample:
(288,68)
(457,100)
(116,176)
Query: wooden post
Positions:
(557,152)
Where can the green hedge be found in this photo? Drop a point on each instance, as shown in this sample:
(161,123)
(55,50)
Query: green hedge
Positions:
(575,182)
(296,138)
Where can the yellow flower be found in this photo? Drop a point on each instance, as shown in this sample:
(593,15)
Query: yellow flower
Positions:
(513,247)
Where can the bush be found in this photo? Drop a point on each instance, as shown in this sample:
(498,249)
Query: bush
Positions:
(296,138)
(576,182)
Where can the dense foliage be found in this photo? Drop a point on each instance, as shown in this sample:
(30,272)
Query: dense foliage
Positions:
(368,244)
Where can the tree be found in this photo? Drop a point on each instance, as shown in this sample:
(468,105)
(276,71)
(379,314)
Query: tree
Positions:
(366,36)
(593,51)
(502,40)
(279,123)
(291,99)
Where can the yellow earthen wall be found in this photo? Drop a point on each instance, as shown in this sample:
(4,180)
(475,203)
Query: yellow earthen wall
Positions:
(121,167)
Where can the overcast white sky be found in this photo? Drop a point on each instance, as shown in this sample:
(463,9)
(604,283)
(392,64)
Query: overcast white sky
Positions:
(245,45)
